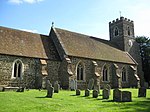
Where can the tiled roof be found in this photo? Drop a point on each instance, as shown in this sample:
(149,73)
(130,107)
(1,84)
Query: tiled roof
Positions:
(80,45)
(22,43)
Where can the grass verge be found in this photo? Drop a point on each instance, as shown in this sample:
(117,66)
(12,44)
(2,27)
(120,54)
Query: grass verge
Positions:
(35,101)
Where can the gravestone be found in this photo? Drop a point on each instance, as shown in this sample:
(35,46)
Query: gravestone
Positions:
(91,84)
(1,88)
(56,87)
(107,86)
(78,92)
(126,96)
(146,85)
(142,92)
(87,92)
(21,89)
(50,89)
(105,94)
(73,85)
(117,95)
(97,87)
(44,83)
(95,93)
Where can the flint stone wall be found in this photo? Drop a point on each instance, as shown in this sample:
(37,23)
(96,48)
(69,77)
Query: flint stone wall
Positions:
(31,76)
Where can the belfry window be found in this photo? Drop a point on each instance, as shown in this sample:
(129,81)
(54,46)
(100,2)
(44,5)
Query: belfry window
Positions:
(116,31)
(105,73)
(17,69)
(80,72)
(129,31)
(124,75)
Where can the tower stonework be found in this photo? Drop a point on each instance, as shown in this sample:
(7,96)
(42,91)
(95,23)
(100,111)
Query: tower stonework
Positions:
(121,33)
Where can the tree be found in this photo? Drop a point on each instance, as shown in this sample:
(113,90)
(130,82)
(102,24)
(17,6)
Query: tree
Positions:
(144,43)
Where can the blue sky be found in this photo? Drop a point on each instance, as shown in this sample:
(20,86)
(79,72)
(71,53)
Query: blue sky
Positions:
(90,17)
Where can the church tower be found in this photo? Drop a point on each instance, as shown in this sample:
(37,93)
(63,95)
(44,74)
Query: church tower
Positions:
(121,33)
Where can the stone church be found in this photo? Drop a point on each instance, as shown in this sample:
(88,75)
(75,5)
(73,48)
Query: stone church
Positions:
(30,59)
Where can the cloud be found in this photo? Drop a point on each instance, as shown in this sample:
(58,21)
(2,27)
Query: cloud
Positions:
(24,1)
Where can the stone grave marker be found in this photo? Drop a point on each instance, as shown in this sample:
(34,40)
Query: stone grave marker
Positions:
(142,92)
(56,87)
(146,85)
(117,95)
(20,89)
(126,96)
(107,86)
(44,83)
(91,84)
(105,94)
(95,93)
(73,85)
(50,89)
(78,92)
(87,92)
(97,87)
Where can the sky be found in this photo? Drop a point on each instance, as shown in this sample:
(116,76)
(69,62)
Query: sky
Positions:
(90,17)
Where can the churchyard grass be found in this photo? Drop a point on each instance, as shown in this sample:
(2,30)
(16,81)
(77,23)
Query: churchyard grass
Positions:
(66,101)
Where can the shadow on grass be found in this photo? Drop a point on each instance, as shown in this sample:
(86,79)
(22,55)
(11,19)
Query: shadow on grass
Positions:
(41,97)
(87,97)
(140,106)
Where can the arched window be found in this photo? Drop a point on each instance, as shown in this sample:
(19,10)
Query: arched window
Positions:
(105,73)
(116,31)
(124,75)
(17,69)
(80,72)
(129,31)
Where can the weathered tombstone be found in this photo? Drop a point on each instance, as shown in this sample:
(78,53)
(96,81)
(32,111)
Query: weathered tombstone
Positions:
(1,88)
(146,85)
(142,92)
(95,93)
(91,84)
(56,87)
(44,83)
(73,85)
(87,92)
(105,94)
(97,87)
(78,92)
(107,86)
(126,96)
(21,89)
(50,89)
(117,95)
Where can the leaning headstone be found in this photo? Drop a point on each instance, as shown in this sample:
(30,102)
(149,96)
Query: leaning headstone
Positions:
(142,92)
(95,93)
(50,89)
(78,92)
(117,95)
(126,96)
(105,94)
(73,85)
(91,84)
(87,92)
(56,87)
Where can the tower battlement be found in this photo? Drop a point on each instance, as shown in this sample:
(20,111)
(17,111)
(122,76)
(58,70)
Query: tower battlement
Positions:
(120,19)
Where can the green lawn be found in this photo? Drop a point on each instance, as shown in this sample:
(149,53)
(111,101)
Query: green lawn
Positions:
(66,101)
